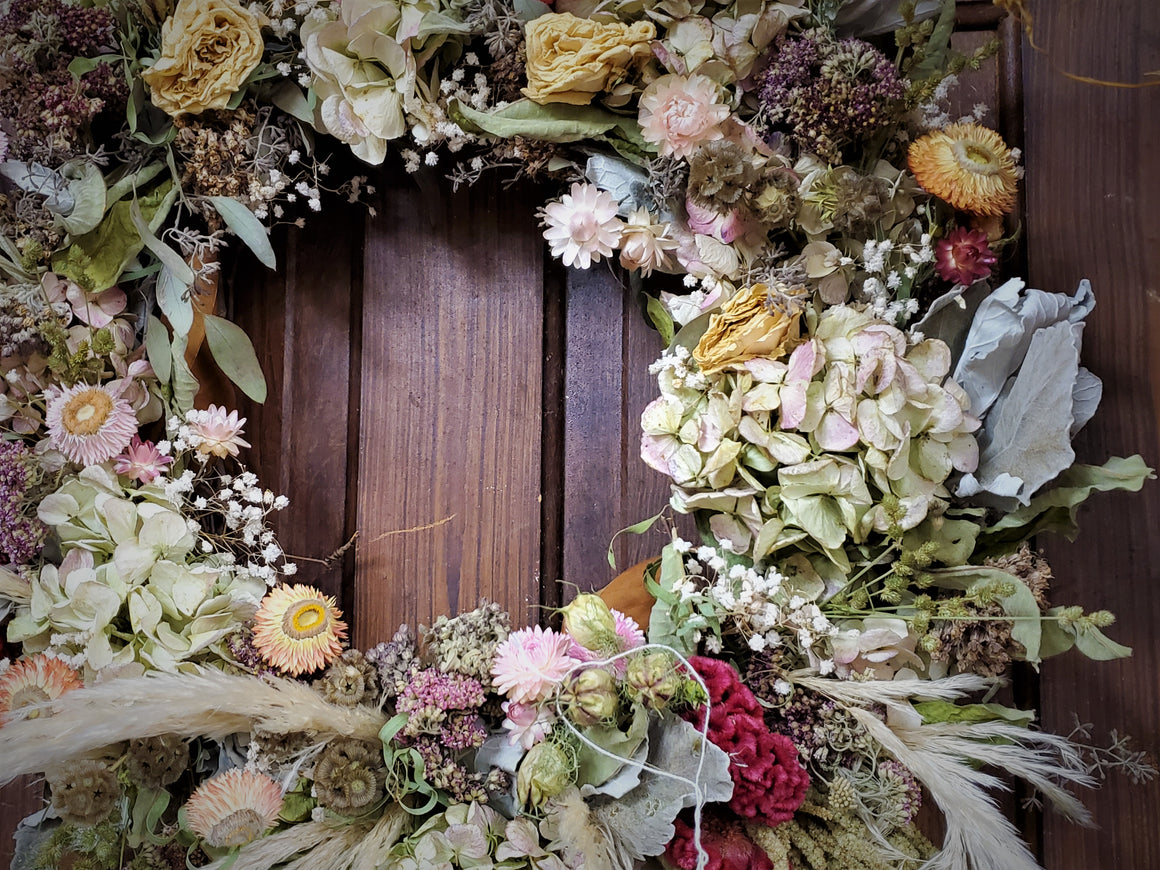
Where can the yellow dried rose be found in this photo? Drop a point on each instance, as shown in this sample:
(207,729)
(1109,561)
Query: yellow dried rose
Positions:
(208,48)
(571,60)
(746,327)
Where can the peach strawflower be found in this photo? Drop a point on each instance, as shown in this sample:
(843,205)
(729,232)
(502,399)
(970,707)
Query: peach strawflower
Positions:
(968,166)
(142,461)
(679,113)
(234,808)
(531,663)
(645,243)
(216,432)
(582,227)
(34,680)
(88,424)
(297,629)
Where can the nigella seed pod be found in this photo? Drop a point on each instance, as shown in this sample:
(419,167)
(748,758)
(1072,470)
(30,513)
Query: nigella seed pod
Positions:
(653,680)
(544,773)
(591,624)
(591,697)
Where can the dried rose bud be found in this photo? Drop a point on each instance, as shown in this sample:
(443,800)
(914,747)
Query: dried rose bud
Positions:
(591,624)
(543,774)
(652,679)
(591,697)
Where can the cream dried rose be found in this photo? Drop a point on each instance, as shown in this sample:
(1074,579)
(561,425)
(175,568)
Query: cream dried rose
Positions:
(208,48)
(746,327)
(571,60)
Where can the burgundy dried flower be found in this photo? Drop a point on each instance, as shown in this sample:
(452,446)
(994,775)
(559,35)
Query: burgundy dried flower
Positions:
(725,842)
(964,257)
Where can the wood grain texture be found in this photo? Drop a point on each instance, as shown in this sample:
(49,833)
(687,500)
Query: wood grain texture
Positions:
(607,385)
(300,320)
(449,474)
(1092,190)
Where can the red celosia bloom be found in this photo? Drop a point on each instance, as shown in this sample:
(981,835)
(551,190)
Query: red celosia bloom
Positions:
(769,783)
(724,840)
(963,257)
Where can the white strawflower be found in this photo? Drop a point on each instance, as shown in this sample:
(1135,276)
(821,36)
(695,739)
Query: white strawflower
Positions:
(582,227)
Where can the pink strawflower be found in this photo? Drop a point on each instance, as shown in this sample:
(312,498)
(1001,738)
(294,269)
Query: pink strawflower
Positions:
(645,243)
(216,432)
(234,808)
(679,113)
(964,256)
(582,227)
(531,663)
(88,424)
(528,724)
(142,461)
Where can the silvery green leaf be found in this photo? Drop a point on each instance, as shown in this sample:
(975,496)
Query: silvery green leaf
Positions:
(86,186)
(34,178)
(234,354)
(172,260)
(627,183)
(949,317)
(184,383)
(1085,398)
(642,821)
(157,349)
(1027,434)
(288,97)
(529,10)
(173,300)
(246,227)
(1002,331)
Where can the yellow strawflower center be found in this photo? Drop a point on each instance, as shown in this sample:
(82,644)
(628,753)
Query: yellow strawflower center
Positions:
(307,619)
(238,828)
(26,696)
(974,158)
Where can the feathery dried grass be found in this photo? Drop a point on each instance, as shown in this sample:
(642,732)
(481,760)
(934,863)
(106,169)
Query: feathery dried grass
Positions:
(208,704)
(978,836)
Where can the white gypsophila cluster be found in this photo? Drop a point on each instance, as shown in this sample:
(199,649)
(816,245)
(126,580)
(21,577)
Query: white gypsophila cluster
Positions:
(679,361)
(887,265)
(934,113)
(245,508)
(755,601)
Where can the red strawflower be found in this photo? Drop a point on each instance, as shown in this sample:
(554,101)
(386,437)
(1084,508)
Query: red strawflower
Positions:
(769,783)
(964,257)
(723,839)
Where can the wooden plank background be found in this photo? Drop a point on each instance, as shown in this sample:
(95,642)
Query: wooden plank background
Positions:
(468,413)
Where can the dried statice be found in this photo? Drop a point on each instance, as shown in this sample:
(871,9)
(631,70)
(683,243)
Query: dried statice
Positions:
(720,176)
(84,792)
(466,644)
(349,681)
(397,661)
(825,93)
(156,762)
(349,775)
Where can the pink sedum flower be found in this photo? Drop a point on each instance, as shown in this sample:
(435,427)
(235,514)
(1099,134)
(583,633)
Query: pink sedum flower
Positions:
(964,256)
(216,431)
(142,461)
(677,114)
(582,227)
(531,663)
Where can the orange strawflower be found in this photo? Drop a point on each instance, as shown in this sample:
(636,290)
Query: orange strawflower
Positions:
(34,680)
(297,629)
(968,166)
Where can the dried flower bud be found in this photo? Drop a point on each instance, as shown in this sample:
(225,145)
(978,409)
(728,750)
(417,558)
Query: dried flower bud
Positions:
(544,773)
(156,762)
(591,697)
(85,792)
(653,680)
(591,624)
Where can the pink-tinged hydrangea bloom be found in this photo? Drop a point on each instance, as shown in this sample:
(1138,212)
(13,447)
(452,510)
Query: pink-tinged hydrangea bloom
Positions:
(964,256)
(527,724)
(89,425)
(531,663)
(582,227)
(679,113)
(97,310)
(216,431)
(142,461)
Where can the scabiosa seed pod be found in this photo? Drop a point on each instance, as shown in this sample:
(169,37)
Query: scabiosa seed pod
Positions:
(349,775)
(349,681)
(156,762)
(720,174)
(84,792)
(590,697)
(652,679)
